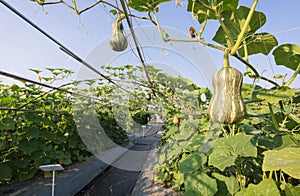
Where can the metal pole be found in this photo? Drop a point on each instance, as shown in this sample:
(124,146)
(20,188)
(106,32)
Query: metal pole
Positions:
(53,181)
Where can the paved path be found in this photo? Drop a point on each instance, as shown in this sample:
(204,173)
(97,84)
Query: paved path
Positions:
(120,182)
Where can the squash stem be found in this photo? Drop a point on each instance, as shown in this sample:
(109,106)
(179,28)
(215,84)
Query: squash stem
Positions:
(203,26)
(166,38)
(75,6)
(226,59)
(224,131)
(293,77)
(276,125)
(244,29)
(246,52)
(232,128)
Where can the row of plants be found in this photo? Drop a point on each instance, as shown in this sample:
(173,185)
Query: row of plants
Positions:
(38,125)
(258,156)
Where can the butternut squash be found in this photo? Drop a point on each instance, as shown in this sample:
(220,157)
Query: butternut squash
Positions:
(118,41)
(226,105)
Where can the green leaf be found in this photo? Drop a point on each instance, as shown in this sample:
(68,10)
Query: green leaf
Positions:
(199,184)
(197,8)
(275,94)
(259,43)
(41,2)
(249,91)
(26,174)
(177,181)
(191,163)
(241,192)
(37,71)
(230,182)
(29,146)
(286,159)
(290,190)
(145,5)
(227,4)
(162,175)
(226,150)
(169,152)
(22,162)
(5,172)
(186,129)
(287,55)
(7,124)
(266,187)
(235,20)
(113,12)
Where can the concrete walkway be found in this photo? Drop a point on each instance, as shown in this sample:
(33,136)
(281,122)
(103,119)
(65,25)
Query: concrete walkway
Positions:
(121,182)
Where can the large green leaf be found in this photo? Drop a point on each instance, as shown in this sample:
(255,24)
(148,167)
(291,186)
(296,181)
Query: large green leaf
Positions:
(231,183)
(29,146)
(199,184)
(199,10)
(145,5)
(177,181)
(275,94)
(249,91)
(191,163)
(26,174)
(7,124)
(235,20)
(5,172)
(266,187)
(259,43)
(290,190)
(169,152)
(186,129)
(287,55)
(226,150)
(286,159)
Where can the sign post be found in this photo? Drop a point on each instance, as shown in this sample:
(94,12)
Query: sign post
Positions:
(53,168)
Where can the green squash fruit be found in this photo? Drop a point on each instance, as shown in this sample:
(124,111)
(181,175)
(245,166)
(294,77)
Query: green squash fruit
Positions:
(226,105)
(118,41)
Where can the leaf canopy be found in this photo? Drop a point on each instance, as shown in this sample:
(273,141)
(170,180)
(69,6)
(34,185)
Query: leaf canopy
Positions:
(201,8)
(287,55)
(286,159)
(235,20)
(226,150)
(145,5)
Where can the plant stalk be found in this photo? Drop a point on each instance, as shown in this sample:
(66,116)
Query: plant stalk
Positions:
(293,76)
(219,18)
(166,38)
(257,75)
(276,125)
(244,29)
(226,63)
(203,26)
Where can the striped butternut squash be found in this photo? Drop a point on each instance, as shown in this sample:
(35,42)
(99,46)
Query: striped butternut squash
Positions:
(226,105)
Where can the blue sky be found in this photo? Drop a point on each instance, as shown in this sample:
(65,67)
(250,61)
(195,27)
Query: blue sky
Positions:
(22,47)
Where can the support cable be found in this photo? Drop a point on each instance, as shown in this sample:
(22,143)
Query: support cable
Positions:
(61,46)
(137,45)
(44,85)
